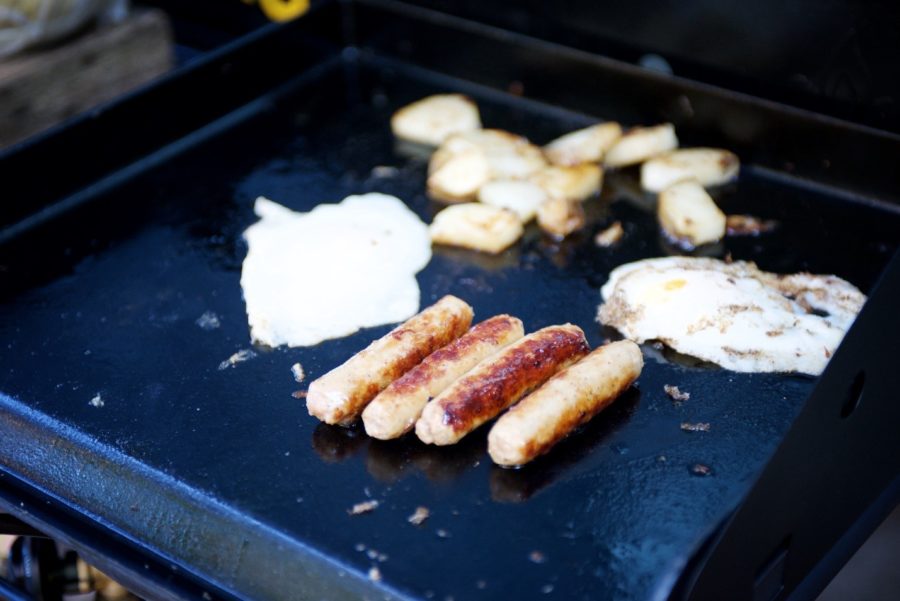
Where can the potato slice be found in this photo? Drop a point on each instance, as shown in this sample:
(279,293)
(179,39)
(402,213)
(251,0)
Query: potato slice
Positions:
(688,214)
(709,166)
(588,145)
(459,177)
(521,197)
(432,119)
(572,183)
(476,226)
(508,155)
(559,216)
(641,143)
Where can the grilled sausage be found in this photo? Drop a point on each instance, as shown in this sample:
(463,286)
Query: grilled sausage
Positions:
(395,410)
(570,398)
(498,382)
(340,395)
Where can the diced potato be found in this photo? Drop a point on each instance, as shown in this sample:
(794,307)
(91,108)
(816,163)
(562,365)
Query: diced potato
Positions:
(459,177)
(687,213)
(588,145)
(641,143)
(559,216)
(521,197)
(572,183)
(476,226)
(709,166)
(432,119)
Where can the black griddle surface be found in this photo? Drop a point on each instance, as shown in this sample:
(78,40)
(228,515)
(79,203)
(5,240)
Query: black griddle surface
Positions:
(108,305)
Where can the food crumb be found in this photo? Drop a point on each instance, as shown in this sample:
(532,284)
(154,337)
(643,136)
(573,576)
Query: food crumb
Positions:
(97,401)
(441,533)
(695,427)
(698,469)
(748,225)
(376,555)
(675,393)
(374,574)
(537,557)
(480,585)
(238,357)
(297,372)
(364,507)
(547,589)
(609,236)
(299,394)
(360,547)
(208,321)
(419,516)
(381,171)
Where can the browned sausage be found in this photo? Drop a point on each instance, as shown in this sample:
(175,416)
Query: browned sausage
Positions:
(498,382)
(395,410)
(339,396)
(570,398)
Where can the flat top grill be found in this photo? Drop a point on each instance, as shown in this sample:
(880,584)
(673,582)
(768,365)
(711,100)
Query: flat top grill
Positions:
(223,474)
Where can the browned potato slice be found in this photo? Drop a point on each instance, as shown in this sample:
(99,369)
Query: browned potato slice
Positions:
(559,217)
(459,177)
(641,143)
(521,197)
(686,212)
(709,166)
(508,155)
(432,119)
(476,226)
(588,145)
(571,183)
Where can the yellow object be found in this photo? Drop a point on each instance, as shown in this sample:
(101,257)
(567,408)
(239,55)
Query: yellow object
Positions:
(284,10)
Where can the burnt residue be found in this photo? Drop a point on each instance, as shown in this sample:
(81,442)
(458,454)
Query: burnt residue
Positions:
(519,369)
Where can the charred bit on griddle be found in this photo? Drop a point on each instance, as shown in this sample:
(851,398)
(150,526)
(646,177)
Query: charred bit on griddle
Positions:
(695,427)
(675,393)
(364,507)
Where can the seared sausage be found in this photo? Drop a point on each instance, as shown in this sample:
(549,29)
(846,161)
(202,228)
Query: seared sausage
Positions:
(395,410)
(570,398)
(339,396)
(498,382)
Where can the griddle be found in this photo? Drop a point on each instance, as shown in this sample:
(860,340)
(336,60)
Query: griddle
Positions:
(191,481)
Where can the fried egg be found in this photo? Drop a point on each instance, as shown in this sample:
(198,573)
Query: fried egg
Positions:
(732,314)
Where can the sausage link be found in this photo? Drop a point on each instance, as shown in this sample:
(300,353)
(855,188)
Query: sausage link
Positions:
(396,408)
(498,382)
(570,398)
(339,396)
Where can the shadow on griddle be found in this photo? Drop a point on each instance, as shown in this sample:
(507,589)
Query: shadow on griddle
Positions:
(388,461)
(334,444)
(518,485)
(504,260)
